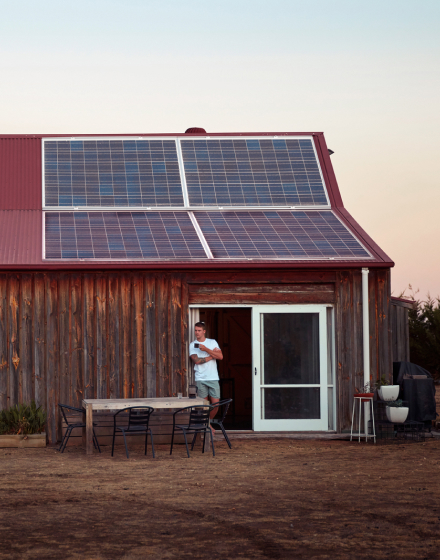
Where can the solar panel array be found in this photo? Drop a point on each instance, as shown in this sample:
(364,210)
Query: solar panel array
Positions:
(121,235)
(147,181)
(252,172)
(172,235)
(278,235)
(120,173)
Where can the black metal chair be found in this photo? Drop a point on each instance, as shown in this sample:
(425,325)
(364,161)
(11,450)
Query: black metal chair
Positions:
(72,425)
(198,423)
(138,423)
(223,407)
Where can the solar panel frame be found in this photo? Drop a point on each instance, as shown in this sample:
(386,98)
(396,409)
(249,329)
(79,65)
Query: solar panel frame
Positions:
(264,175)
(121,236)
(292,241)
(122,182)
(183,181)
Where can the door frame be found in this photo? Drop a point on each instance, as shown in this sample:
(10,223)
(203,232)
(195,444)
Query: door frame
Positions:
(331,356)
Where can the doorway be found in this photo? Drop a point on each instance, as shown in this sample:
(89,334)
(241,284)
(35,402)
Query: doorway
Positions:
(231,327)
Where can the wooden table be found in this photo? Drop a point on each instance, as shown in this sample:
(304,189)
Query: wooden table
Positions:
(89,405)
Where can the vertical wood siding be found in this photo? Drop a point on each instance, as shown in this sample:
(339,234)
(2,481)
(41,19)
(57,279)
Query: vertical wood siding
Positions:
(349,346)
(66,336)
(69,335)
(400,333)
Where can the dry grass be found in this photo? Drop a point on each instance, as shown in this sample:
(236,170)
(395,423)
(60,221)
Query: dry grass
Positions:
(263,499)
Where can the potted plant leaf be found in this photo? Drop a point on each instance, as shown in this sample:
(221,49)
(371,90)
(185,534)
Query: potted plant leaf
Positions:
(396,412)
(366,391)
(386,391)
(23,425)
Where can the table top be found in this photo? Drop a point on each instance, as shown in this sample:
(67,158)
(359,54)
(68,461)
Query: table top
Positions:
(162,402)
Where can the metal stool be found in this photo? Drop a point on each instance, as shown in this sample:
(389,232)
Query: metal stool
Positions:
(362,400)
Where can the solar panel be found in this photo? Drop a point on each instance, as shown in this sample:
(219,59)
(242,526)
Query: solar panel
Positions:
(121,235)
(252,172)
(278,235)
(112,172)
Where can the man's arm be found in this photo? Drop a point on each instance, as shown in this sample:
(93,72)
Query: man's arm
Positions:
(215,354)
(198,360)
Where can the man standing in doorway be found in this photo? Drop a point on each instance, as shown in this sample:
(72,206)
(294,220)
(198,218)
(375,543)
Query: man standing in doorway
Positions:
(204,352)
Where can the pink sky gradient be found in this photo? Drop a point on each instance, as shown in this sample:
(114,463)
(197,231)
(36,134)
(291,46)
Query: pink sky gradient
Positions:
(366,75)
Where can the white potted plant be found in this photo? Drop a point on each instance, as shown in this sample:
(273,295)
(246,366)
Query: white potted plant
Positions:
(396,412)
(386,391)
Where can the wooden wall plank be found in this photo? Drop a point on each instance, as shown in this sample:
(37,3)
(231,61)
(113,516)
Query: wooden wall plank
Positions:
(102,373)
(113,350)
(64,370)
(125,335)
(137,324)
(76,339)
(262,298)
(4,342)
(13,335)
(39,337)
(163,335)
(177,381)
(184,351)
(26,381)
(88,315)
(261,276)
(344,343)
(150,335)
(52,357)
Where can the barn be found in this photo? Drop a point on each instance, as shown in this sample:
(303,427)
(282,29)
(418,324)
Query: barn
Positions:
(113,246)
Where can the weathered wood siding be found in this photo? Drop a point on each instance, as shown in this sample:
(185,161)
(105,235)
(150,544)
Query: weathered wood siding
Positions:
(400,330)
(69,335)
(349,345)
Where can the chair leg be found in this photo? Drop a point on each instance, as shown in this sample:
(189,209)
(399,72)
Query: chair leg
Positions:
(212,442)
(125,441)
(204,438)
(194,440)
(113,442)
(95,442)
(62,440)
(146,441)
(186,442)
(152,442)
(66,438)
(226,435)
(172,441)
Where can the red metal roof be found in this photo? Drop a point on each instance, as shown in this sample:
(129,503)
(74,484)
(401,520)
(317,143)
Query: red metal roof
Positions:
(20,237)
(20,173)
(21,217)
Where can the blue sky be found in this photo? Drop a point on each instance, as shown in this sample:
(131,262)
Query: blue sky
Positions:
(367,74)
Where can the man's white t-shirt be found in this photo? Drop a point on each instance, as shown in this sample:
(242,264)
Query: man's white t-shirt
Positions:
(208,371)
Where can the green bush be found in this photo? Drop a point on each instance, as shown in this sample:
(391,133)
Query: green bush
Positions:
(23,419)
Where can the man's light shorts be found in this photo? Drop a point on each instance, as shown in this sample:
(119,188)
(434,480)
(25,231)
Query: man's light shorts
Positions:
(208,387)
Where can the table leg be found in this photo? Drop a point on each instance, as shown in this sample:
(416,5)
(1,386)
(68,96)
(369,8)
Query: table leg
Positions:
(89,429)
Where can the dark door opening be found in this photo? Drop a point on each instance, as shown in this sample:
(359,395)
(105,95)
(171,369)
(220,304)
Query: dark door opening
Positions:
(231,327)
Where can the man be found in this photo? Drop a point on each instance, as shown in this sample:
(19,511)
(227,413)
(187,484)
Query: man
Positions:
(204,356)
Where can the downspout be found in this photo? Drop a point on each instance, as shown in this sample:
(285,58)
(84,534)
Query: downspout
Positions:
(366,341)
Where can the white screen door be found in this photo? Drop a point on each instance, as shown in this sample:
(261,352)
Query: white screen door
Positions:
(289,367)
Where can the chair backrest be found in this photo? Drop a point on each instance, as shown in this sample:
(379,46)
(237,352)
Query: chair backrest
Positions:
(199,416)
(139,416)
(64,408)
(223,406)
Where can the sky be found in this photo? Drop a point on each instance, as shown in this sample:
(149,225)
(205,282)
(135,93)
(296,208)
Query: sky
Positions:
(367,74)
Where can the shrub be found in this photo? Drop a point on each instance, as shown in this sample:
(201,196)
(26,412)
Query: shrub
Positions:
(23,419)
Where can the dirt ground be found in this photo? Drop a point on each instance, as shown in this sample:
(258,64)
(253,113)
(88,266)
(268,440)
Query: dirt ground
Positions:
(271,498)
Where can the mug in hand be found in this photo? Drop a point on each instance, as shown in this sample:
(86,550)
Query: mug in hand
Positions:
(196,345)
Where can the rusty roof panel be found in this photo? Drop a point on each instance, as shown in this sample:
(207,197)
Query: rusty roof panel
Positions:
(20,173)
(21,237)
